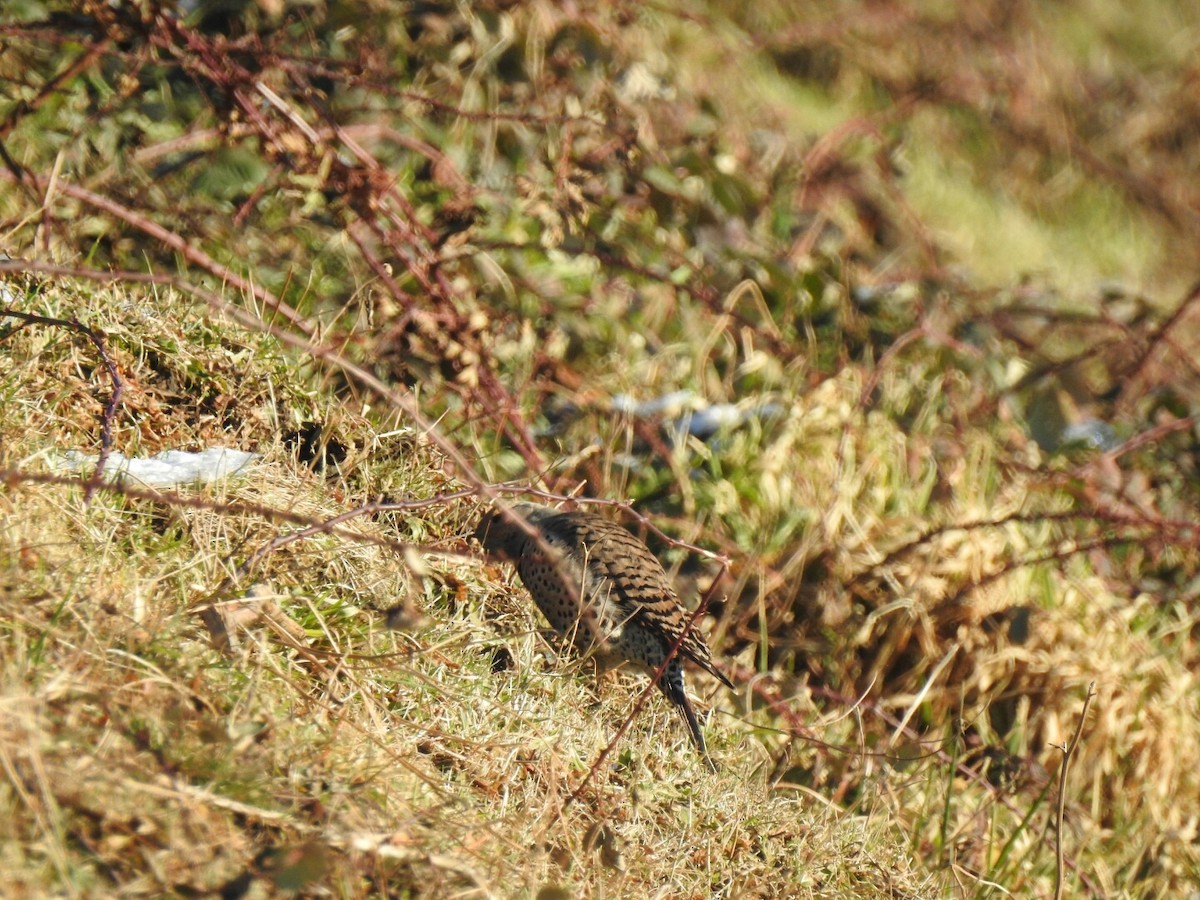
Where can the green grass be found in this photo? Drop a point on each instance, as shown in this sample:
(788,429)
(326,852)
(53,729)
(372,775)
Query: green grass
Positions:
(401,757)
(138,757)
(918,582)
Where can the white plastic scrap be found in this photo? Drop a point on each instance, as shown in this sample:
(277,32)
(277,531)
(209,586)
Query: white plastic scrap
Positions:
(688,413)
(166,469)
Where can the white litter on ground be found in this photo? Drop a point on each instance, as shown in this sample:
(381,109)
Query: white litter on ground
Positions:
(166,469)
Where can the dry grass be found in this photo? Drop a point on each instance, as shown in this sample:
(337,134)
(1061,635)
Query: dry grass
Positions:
(139,759)
(467,245)
(447,754)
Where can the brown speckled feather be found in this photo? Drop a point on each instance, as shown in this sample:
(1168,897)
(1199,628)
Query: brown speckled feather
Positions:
(637,580)
(602,588)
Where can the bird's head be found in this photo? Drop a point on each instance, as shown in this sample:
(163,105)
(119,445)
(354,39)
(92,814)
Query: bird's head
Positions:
(502,535)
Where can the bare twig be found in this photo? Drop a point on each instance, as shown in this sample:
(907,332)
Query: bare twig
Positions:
(399,399)
(110,408)
(644,697)
(1068,750)
(1134,385)
(192,254)
(225,507)
(87,56)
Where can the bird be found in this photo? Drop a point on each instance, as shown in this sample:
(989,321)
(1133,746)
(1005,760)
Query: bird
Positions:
(603,589)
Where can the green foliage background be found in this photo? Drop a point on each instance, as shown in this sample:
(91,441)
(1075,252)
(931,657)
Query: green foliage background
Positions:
(929,265)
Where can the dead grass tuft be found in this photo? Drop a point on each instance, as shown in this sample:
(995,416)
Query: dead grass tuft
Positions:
(319,744)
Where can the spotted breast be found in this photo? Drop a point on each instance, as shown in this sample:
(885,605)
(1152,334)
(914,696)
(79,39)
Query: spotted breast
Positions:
(602,589)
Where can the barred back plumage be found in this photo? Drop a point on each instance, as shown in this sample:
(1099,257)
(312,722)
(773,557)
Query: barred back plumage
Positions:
(602,588)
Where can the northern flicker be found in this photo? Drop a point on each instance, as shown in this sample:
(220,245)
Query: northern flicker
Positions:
(602,589)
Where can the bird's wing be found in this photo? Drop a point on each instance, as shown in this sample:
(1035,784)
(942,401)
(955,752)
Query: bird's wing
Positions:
(641,586)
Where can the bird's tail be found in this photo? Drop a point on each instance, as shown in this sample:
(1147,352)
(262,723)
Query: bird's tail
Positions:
(672,686)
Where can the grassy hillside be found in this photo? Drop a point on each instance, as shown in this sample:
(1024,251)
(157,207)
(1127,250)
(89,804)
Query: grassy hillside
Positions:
(874,323)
